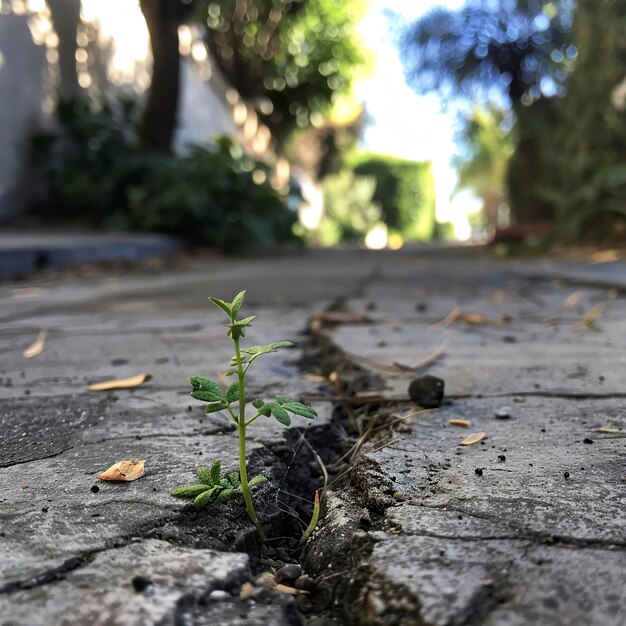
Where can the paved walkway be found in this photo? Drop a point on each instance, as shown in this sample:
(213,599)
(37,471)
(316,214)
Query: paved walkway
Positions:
(526,526)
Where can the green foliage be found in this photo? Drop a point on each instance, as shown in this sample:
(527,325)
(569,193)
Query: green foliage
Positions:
(585,187)
(405,191)
(207,196)
(218,399)
(298,56)
(214,487)
(349,209)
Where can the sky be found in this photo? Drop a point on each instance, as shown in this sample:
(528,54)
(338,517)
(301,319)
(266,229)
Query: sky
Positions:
(402,123)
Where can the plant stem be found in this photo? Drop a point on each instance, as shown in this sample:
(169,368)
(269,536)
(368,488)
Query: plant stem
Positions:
(243,472)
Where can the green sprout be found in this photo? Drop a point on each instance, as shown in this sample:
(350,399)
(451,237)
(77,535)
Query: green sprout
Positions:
(212,486)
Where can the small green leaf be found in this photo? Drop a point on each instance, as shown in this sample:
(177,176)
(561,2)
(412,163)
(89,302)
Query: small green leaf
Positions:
(222,305)
(257,403)
(230,373)
(203,499)
(280,414)
(188,492)
(257,480)
(225,495)
(232,394)
(265,410)
(204,474)
(282,399)
(266,348)
(203,388)
(215,406)
(216,469)
(234,479)
(300,409)
(236,303)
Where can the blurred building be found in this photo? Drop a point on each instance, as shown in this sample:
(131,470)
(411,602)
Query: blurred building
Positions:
(39,60)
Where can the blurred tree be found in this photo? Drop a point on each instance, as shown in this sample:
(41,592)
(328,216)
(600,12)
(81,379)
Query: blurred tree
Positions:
(506,53)
(586,147)
(488,146)
(158,120)
(291,59)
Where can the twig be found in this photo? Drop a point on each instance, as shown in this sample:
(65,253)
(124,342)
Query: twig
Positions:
(395,367)
(447,320)
(363,400)
(385,445)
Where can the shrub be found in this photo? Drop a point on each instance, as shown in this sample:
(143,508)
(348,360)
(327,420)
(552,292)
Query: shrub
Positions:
(208,195)
(405,192)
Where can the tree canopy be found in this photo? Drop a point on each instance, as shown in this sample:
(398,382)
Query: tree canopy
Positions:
(291,58)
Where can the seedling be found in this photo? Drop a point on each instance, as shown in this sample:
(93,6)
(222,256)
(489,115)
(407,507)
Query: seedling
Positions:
(212,486)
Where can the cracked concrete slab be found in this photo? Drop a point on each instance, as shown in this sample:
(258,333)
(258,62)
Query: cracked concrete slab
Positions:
(426,539)
(524,527)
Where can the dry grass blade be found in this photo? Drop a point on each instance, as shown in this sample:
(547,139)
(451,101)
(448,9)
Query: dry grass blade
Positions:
(121,383)
(472,439)
(123,471)
(37,346)
(438,353)
(447,320)
(606,429)
(290,590)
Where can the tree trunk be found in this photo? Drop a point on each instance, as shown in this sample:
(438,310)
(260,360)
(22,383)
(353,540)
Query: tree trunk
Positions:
(158,122)
(65,16)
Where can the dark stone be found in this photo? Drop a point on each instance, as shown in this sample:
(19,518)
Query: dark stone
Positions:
(566,475)
(478,471)
(587,440)
(140,583)
(289,572)
(95,489)
(427,391)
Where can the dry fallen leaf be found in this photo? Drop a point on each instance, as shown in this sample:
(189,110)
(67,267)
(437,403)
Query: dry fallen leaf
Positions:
(475,319)
(246,591)
(472,439)
(572,300)
(122,383)
(123,471)
(605,256)
(463,423)
(37,347)
(341,317)
(316,378)
(606,429)
(589,321)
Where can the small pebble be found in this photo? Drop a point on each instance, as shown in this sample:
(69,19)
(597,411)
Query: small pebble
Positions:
(140,583)
(566,475)
(501,458)
(587,440)
(289,572)
(519,399)
(95,489)
(219,595)
(503,413)
(478,471)
(305,582)
(427,391)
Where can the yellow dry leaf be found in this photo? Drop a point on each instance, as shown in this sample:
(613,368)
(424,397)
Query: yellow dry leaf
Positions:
(605,256)
(463,423)
(123,471)
(589,321)
(572,300)
(37,347)
(606,429)
(246,591)
(472,439)
(316,378)
(474,318)
(122,383)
